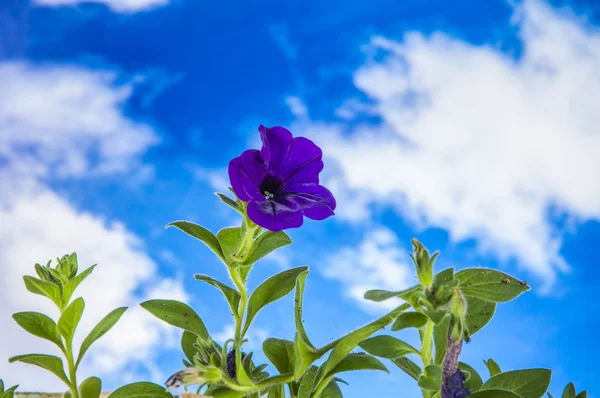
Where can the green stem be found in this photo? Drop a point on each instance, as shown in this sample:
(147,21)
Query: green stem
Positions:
(427,350)
(72,370)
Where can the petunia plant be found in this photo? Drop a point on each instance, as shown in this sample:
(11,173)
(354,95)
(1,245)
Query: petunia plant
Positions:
(273,189)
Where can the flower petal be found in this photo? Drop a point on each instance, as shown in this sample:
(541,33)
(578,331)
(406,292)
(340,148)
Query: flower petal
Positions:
(275,215)
(245,174)
(302,165)
(276,144)
(315,201)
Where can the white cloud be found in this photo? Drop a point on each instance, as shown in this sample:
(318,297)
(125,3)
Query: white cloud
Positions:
(297,106)
(68,121)
(54,121)
(479,143)
(378,262)
(122,6)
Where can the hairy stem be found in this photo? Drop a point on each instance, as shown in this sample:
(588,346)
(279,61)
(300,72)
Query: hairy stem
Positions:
(72,370)
(427,349)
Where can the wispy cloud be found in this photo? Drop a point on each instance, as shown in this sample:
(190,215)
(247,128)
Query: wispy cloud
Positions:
(477,142)
(377,262)
(68,123)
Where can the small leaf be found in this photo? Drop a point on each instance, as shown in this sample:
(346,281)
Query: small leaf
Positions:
(479,313)
(188,339)
(381,295)
(304,356)
(230,202)
(200,233)
(490,285)
(230,239)
(495,393)
(39,325)
(493,367)
(177,314)
(408,366)
(100,330)
(267,242)
(141,390)
(276,391)
(70,287)
(359,361)
(331,391)
(90,388)
(231,295)
(240,372)
(280,353)
(474,382)
(387,347)
(529,383)
(70,319)
(440,339)
(271,290)
(298,303)
(431,378)
(409,320)
(569,391)
(307,383)
(48,362)
(43,288)
(582,394)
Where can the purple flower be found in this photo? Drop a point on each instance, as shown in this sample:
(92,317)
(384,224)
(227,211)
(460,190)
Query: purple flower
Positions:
(454,386)
(281,181)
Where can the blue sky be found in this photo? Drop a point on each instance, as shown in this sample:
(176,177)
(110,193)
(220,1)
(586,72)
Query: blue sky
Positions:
(470,125)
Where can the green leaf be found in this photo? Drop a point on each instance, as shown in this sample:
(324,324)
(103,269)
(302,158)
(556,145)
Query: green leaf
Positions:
(200,233)
(387,347)
(267,242)
(216,391)
(381,295)
(549,395)
(350,341)
(495,393)
(39,325)
(474,382)
(307,383)
(529,383)
(90,388)
(177,314)
(479,313)
(490,285)
(230,202)
(493,367)
(440,339)
(230,240)
(280,353)
(409,320)
(276,391)
(582,394)
(231,295)
(569,391)
(141,390)
(331,391)
(188,339)
(359,361)
(46,289)
(298,303)
(271,290)
(48,362)
(69,288)
(240,372)
(70,319)
(100,330)
(431,378)
(1,386)
(408,366)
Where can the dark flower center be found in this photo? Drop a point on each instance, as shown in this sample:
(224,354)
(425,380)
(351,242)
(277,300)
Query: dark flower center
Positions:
(270,186)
